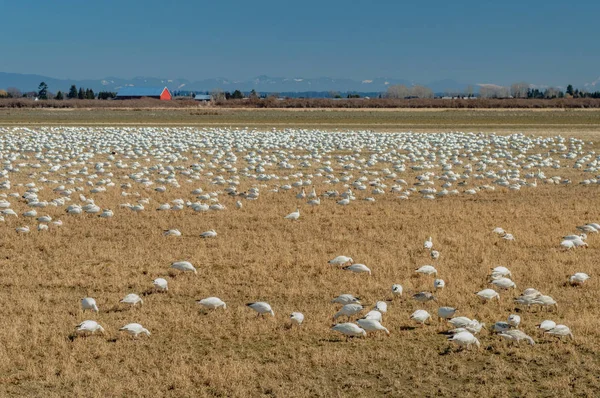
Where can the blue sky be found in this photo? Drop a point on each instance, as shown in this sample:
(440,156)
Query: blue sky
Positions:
(541,42)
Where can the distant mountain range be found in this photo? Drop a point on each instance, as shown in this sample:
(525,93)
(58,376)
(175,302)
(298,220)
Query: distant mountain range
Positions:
(262,84)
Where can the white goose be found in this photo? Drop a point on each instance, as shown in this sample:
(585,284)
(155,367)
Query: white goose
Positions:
(294,215)
(89,303)
(132,299)
(358,268)
(184,266)
(261,308)
(212,303)
(135,329)
(88,327)
(349,329)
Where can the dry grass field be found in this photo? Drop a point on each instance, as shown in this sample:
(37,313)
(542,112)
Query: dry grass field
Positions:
(260,256)
(430,120)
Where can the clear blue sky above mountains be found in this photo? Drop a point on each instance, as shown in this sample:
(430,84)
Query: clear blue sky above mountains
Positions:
(541,42)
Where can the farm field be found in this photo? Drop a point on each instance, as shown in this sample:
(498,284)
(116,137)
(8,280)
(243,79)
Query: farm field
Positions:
(431,120)
(538,186)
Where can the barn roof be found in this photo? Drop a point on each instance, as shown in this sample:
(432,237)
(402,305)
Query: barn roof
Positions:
(140,91)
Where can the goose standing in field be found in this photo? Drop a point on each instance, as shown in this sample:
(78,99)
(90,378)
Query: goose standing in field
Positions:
(373,314)
(587,229)
(238,204)
(297,318)
(261,308)
(500,272)
(545,301)
(132,299)
(22,230)
(161,284)
(434,254)
(372,325)
(184,266)
(499,231)
(294,215)
(464,339)
(381,306)
(420,316)
(578,278)
(439,284)
(504,283)
(514,320)
(349,329)
(341,260)
(460,321)
(89,303)
(424,297)
(560,331)
(348,310)
(516,335)
(575,243)
(546,325)
(212,303)
(446,312)
(209,234)
(358,268)
(428,244)
(135,329)
(397,290)
(88,327)
(488,294)
(346,299)
(508,236)
(172,232)
(426,270)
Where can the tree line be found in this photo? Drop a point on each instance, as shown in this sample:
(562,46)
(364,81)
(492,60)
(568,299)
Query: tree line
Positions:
(43,93)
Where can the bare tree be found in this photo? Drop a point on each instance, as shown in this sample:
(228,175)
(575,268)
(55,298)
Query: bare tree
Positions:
(398,91)
(421,92)
(551,92)
(217,94)
(14,92)
(519,90)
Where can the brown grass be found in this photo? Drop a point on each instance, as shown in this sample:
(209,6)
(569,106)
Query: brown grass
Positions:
(310,103)
(260,256)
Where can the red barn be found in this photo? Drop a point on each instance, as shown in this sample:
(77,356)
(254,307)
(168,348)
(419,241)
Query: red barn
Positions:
(149,92)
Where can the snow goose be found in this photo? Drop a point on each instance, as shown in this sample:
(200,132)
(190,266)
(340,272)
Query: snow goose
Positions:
(161,284)
(132,299)
(546,325)
(460,321)
(184,266)
(294,215)
(346,299)
(261,308)
(424,297)
(488,294)
(446,312)
(372,325)
(212,303)
(464,339)
(135,329)
(504,283)
(172,232)
(420,316)
(349,329)
(348,310)
(358,268)
(209,234)
(560,331)
(88,327)
(426,270)
(89,303)
(297,318)
(428,244)
(439,284)
(374,314)
(514,320)
(381,306)
(397,289)
(516,335)
(341,260)
(578,278)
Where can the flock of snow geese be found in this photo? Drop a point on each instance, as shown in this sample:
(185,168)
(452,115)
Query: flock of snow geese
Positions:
(68,170)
